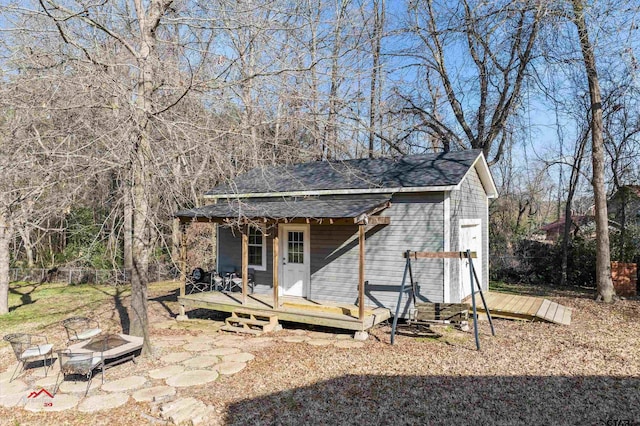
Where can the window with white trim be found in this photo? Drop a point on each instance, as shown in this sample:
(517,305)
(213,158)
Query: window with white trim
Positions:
(257,248)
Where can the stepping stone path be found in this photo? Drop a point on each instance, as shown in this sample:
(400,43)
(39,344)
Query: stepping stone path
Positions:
(192,378)
(240,357)
(187,410)
(197,347)
(126,384)
(166,372)
(155,393)
(229,368)
(47,382)
(201,361)
(188,361)
(12,393)
(176,357)
(223,351)
(103,402)
(69,386)
(61,402)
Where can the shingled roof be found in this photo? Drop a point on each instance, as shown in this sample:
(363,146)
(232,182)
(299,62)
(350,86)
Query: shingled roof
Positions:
(440,170)
(281,208)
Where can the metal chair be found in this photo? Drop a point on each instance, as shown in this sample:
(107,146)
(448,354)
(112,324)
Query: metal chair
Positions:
(197,281)
(81,328)
(25,350)
(79,364)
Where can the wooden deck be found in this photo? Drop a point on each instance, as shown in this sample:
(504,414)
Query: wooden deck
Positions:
(529,308)
(292,309)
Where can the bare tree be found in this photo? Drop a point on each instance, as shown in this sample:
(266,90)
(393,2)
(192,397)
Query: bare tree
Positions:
(606,292)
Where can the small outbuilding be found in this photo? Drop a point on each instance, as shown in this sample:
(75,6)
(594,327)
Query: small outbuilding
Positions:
(335,231)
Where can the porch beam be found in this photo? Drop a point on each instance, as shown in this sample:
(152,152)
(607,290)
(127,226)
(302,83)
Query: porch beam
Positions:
(361,231)
(276,261)
(183,257)
(245,263)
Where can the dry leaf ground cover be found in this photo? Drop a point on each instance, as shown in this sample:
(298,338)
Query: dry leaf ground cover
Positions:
(529,374)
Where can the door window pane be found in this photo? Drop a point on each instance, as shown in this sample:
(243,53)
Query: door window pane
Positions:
(295,247)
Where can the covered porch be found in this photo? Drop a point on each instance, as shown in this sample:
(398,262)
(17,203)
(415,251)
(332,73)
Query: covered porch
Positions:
(275,216)
(291,309)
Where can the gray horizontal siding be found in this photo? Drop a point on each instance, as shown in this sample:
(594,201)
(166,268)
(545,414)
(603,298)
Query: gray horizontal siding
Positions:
(469,202)
(230,257)
(416,224)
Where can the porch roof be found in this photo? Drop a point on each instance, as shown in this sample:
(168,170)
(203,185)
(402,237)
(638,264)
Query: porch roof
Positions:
(290,208)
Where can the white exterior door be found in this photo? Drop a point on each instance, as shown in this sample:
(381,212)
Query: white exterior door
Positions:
(294,261)
(470,239)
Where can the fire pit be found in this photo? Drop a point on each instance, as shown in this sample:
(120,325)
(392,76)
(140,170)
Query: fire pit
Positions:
(115,348)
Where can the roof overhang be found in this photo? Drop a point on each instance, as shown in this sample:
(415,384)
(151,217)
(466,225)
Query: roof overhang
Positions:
(482,168)
(334,192)
(239,211)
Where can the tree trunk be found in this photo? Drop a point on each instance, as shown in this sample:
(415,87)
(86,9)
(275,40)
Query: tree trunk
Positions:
(128,228)
(5,244)
(606,292)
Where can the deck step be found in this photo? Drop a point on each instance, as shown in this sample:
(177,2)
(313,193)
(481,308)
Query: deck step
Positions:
(241,330)
(246,319)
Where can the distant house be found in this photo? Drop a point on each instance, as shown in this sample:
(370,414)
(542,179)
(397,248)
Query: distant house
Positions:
(340,229)
(554,230)
(624,205)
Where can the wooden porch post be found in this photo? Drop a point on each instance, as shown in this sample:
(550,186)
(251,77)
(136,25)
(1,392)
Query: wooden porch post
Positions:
(183,257)
(361,229)
(276,261)
(245,263)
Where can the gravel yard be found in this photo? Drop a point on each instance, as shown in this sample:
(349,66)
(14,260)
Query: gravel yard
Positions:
(530,373)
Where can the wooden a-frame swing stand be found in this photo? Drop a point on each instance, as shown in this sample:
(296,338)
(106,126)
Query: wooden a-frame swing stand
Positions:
(408,255)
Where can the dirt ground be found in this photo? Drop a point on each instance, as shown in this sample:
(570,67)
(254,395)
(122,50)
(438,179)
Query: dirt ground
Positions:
(587,373)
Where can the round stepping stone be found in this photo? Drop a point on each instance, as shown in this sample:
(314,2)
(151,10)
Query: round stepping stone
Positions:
(319,342)
(17,386)
(176,357)
(295,339)
(349,344)
(103,402)
(241,357)
(223,351)
(47,382)
(168,343)
(207,340)
(197,347)
(192,378)
(59,402)
(126,384)
(69,386)
(155,393)
(228,368)
(165,372)
(201,361)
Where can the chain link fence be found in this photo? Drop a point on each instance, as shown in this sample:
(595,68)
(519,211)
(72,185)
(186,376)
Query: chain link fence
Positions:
(74,276)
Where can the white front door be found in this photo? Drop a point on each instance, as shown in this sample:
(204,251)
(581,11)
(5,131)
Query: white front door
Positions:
(470,239)
(294,261)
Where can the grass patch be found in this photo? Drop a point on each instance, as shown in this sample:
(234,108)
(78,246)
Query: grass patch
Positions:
(42,305)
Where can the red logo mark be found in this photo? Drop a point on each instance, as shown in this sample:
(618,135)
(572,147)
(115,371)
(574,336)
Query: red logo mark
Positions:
(35,394)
